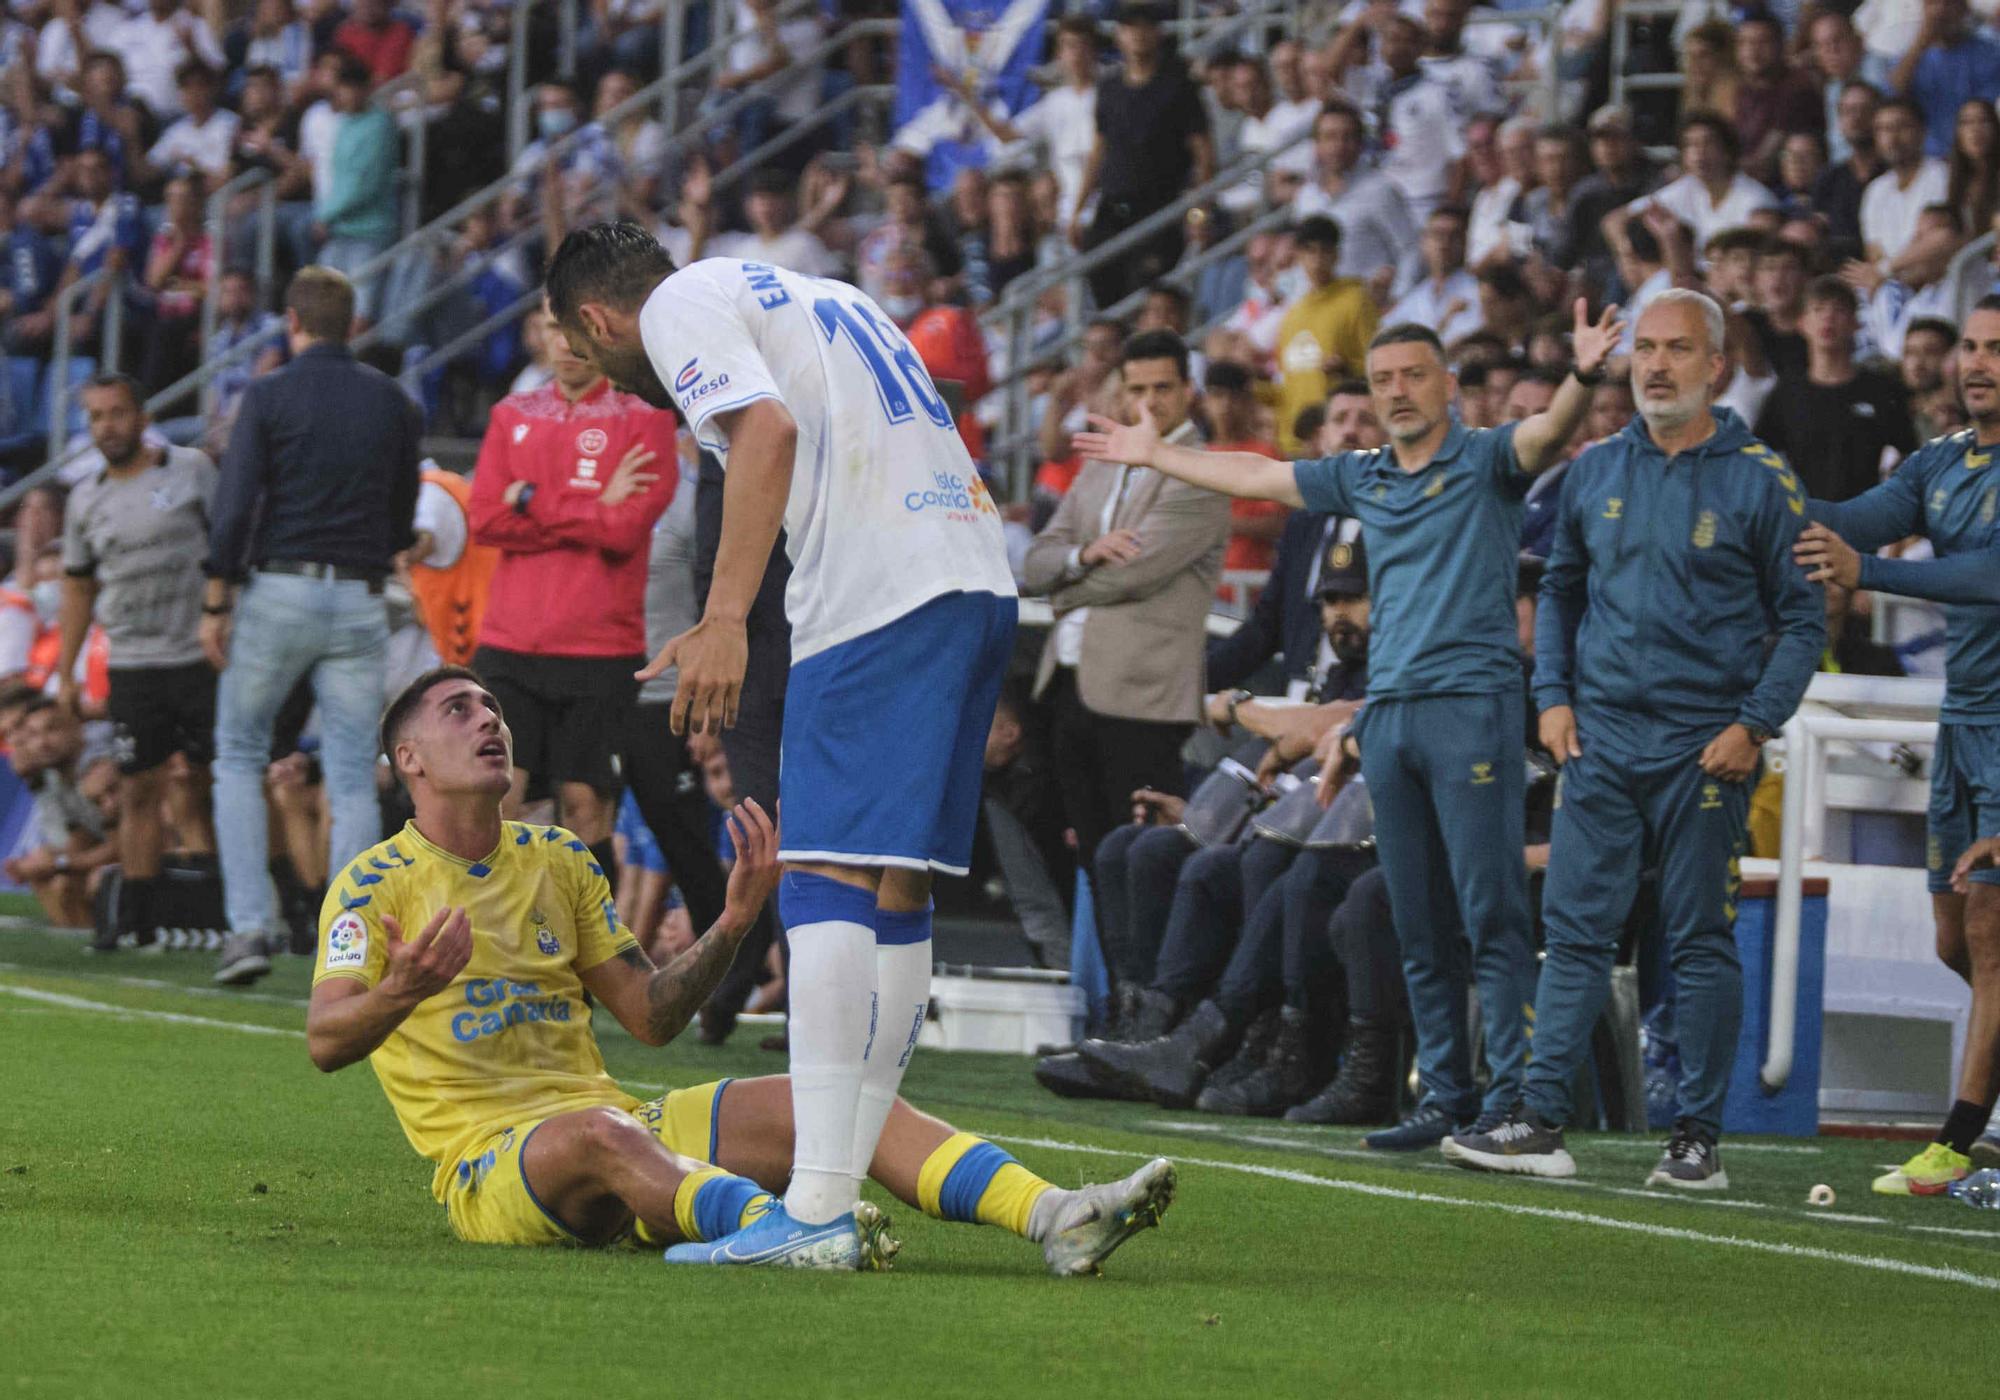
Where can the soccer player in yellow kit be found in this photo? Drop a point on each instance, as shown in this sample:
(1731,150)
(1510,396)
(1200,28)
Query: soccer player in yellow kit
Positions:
(479,1031)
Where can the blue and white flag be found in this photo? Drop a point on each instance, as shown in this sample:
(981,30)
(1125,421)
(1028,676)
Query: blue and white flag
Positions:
(992,44)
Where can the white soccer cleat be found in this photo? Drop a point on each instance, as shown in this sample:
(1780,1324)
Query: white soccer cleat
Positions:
(1095,1220)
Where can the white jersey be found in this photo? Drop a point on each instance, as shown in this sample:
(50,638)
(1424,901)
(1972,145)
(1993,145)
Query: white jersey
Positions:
(887,511)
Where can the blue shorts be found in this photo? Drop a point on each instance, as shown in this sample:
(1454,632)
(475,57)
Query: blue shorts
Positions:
(640,847)
(884,745)
(1965,799)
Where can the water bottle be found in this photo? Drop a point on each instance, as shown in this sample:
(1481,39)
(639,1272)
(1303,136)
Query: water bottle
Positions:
(1980,1190)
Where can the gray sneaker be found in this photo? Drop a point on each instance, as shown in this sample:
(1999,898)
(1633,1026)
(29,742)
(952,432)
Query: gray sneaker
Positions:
(1520,1144)
(1095,1220)
(1691,1163)
(245,958)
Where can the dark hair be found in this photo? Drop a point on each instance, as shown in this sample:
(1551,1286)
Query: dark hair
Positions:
(1936,325)
(1832,289)
(770,180)
(617,263)
(1408,333)
(354,73)
(1178,296)
(1077,26)
(1226,376)
(1542,374)
(323,300)
(262,70)
(1989,302)
(16,694)
(1902,104)
(1336,107)
(1317,231)
(194,70)
(397,715)
(1761,19)
(112,379)
(1506,280)
(1156,345)
(1645,245)
(1722,130)
(1451,211)
(1736,239)
(1776,247)
(1349,385)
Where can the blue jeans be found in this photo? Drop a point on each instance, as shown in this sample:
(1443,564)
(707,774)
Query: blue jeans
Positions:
(348,256)
(286,627)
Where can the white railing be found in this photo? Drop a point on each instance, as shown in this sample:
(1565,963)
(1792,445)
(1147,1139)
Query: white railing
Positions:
(1802,834)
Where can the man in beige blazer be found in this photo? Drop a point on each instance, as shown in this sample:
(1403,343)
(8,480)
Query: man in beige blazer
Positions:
(1130,563)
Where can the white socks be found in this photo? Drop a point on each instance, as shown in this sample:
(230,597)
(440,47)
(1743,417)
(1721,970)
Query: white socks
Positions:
(903,994)
(832,989)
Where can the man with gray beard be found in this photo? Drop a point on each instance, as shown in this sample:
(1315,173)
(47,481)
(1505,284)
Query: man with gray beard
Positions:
(133,539)
(1656,690)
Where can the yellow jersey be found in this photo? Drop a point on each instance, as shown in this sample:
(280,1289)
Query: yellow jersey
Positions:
(510,1038)
(1332,322)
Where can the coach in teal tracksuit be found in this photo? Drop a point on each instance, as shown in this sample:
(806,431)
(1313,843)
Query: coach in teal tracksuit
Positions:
(1442,733)
(1671,570)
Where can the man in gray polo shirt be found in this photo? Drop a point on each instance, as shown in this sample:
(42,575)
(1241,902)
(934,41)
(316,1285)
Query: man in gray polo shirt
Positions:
(133,540)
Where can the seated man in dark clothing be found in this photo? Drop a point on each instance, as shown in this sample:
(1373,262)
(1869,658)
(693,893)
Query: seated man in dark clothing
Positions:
(1177,918)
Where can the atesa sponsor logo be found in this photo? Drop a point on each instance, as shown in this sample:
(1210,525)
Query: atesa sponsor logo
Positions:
(685,380)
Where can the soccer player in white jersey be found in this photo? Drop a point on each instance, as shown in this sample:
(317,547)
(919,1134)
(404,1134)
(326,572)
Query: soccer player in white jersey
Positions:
(903,613)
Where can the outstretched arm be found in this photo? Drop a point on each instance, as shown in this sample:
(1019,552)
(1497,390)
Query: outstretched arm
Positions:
(1972,577)
(656,1003)
(1248,474)
(1541,438)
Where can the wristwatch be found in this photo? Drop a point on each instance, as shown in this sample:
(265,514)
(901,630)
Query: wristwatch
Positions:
(521,501)
(1588,381)
(1759,737)
(1237,697)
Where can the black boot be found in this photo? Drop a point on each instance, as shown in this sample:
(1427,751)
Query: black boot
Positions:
(1070,1076)
(1136,1014)
(1250,1057)
(1168,1070)
(1287,1077)
(1365,1089)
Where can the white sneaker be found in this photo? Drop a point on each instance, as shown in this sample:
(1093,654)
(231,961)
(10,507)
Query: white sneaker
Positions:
(1095,1220)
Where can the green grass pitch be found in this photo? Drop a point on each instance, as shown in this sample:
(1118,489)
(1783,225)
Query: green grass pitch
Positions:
(188,1209)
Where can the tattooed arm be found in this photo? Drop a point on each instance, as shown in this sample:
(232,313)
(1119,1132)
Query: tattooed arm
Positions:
(656,1003)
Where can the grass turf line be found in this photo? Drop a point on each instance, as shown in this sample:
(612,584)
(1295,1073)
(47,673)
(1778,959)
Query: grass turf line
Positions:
(139,1249)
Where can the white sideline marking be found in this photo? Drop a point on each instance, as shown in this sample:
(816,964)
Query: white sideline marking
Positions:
(1305,1134)
(1989,1236)
(143,1013)
(161,984)
(1878,1263)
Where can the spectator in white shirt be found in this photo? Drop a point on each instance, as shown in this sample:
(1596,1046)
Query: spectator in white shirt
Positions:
(641,142)
(773,237)
(1264,130)
(203,141)
(1419,124)
(72,35)
(1912,181)
(1447,299)
(1262,310)
(765,46)
(155,43)
(1295,104)
(1377,229)
(1062,122)
(1712,195)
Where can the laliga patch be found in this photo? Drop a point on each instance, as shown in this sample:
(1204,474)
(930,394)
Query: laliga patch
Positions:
(347,943)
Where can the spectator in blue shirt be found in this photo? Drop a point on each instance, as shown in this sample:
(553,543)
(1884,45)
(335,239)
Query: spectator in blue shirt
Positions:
(1947,67)
(31,267)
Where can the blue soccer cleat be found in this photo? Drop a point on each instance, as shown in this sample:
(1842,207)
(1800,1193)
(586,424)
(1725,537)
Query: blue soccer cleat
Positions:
(857,1242)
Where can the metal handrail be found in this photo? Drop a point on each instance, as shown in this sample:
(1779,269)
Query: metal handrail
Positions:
(113,333)
(479,262)
(412,375)
(218,243)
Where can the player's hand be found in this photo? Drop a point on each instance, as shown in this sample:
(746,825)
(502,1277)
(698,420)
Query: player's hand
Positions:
(1827,558)
(1730,755)
(215,639)
(423,966)
(712,656)
(1131,443)
(756,871)
(1117,547)
(1150,808)
(631,477)
(1593,344)
(1557,728)
(1980,855)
